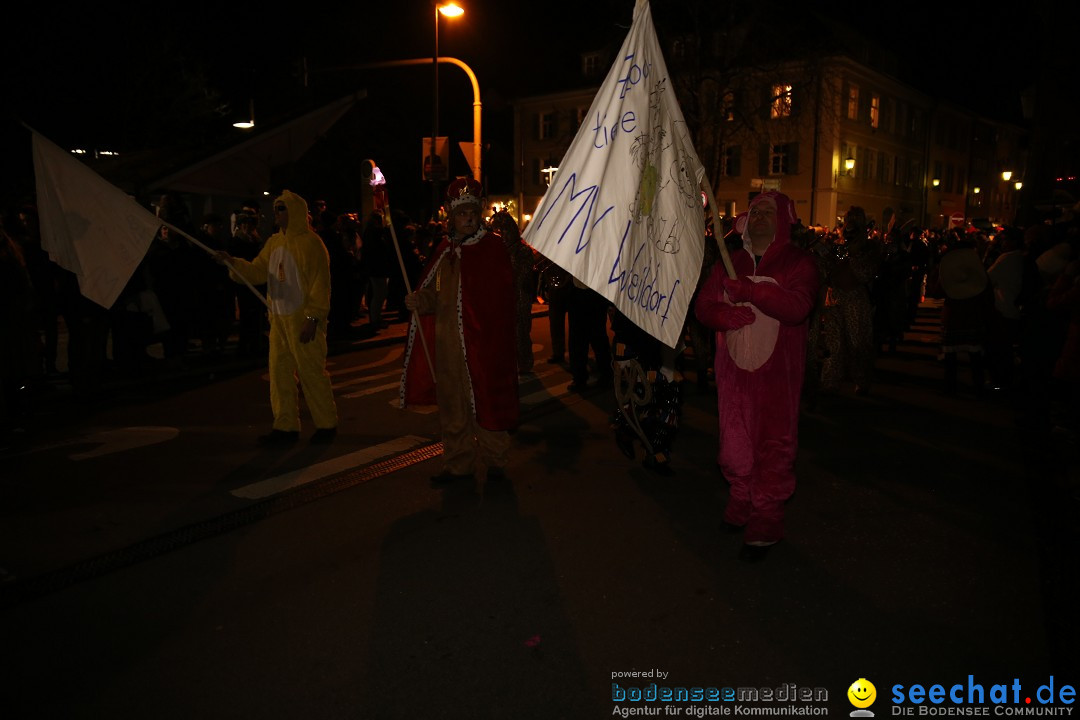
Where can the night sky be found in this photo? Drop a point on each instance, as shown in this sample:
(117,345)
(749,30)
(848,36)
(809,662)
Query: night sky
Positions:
(137,76)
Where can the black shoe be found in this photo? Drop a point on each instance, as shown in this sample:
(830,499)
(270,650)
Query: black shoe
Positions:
(323,436)
(279,438)
(446,477)
(754,553)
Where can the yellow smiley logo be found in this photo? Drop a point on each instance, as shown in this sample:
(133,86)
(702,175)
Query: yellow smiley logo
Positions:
(862,693)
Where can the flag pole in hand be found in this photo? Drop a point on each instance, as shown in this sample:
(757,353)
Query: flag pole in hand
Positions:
(718,235)
(214,254)
(378,180)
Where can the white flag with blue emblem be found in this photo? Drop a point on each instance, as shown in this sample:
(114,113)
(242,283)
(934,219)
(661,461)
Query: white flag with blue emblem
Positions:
(624,213)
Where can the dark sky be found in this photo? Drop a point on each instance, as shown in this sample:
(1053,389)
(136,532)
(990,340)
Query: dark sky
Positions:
(95,75)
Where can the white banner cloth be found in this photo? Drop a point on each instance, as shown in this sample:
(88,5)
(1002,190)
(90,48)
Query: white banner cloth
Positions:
(89,226)
(624,213)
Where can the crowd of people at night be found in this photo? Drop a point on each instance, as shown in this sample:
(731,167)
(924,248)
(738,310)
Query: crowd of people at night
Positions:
(1009,299)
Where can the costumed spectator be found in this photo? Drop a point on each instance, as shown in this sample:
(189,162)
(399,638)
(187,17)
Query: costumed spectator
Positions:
(913,243)
(701,337)
(465,310)
(1064,296)
(891,291)
(587,312)
(343,246)
(648,393)
(43,274)
(136,322)
(172,262)
(213,309)
(760,318)
(1042,329)
(1007,279)
(555,285)
(809,240)
(522,259)
(296,269)
(849,315)
(20,352)
(404,232)
(245,243)
(965,313)
(377,260)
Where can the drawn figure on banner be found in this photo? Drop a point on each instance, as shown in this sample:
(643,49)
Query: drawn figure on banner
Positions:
(647,149)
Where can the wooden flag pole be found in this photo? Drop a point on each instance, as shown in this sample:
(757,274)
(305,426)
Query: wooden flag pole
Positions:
(718,234)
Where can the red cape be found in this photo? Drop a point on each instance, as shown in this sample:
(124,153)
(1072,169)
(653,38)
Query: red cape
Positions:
(487,312)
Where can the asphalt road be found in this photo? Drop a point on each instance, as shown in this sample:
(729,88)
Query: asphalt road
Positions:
(161,565)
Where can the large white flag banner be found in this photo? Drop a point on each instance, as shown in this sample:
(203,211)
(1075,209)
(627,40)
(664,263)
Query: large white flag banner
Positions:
(89,226)
(623,213)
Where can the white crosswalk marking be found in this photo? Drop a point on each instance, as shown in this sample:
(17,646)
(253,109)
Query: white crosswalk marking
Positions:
(311,473)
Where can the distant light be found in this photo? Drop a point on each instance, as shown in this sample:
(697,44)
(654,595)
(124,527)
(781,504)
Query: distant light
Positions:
(244,124)
(1006,175)
(78,151)
(451,10)
(976,190)
(935,182)
(1019,185)
(849,163)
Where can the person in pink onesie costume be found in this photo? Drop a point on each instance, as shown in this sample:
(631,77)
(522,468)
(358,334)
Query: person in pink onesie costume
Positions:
(760,318)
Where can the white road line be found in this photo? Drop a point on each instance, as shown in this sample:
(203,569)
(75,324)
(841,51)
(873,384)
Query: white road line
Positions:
(371,390)
(367,378)
(390,355)
(296,478)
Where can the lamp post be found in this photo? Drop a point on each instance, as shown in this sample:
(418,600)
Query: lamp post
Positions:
(449,9)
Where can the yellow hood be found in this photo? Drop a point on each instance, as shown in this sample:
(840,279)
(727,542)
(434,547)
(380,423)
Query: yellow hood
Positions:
(298,212)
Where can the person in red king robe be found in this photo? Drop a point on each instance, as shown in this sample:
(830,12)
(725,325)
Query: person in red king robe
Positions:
(466,311)
(760,319)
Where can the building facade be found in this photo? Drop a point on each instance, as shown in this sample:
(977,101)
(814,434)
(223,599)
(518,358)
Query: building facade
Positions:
(830,134)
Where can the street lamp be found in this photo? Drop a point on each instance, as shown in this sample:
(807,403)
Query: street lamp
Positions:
(250,122)
(449,9)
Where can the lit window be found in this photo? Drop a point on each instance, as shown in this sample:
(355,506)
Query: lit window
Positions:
(781,102)
(853,102)
(875,110)
(727,111)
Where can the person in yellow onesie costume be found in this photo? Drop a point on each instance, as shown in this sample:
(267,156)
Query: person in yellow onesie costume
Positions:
(295,266)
